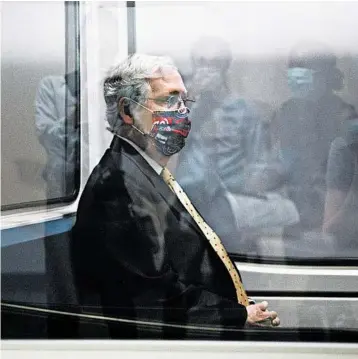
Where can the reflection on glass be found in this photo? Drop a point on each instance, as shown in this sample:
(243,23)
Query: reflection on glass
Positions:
(306,125)
(239,180)
(228,162)
(341,206)
(57,127)
(299,104)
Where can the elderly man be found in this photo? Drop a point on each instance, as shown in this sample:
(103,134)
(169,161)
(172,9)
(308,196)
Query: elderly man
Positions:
(137,238)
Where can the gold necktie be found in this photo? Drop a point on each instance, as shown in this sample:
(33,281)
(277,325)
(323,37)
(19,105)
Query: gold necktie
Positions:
(209,234)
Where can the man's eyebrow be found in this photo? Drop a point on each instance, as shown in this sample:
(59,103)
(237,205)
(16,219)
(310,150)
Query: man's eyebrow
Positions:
(178,93)
(172,93)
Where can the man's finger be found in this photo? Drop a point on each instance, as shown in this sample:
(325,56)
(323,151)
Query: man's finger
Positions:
(273,315)
(263,305)
(264,316)
(267,322)
(276,322)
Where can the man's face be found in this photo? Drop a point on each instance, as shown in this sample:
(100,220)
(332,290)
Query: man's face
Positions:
(165,90)
(208,76)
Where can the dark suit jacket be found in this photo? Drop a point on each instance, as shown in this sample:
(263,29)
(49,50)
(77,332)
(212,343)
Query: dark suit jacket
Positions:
(136,244)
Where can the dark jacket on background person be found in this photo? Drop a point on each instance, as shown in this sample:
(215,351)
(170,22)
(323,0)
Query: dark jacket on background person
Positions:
(305,130)
(342,176)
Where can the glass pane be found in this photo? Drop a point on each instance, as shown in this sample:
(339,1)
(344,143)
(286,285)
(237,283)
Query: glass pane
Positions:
(237,153)
(273,145)
(40,104)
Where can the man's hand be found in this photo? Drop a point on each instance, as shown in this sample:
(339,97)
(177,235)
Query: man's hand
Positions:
(258,315)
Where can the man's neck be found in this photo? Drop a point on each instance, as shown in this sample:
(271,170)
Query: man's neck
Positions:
(145,143)
(153,153)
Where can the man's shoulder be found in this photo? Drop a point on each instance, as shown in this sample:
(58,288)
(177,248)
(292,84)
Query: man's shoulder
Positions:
(118,171)
(289,107)
(49,85)
(114,184)
(52,80)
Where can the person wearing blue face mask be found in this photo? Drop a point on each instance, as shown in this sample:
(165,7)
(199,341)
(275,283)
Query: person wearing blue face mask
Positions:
(305,126)
(300,81)
(309,83)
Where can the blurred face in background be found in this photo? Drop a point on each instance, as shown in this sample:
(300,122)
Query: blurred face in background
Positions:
(312,71)
(211,59)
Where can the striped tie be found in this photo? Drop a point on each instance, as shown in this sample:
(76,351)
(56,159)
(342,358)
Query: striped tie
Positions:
(209,234)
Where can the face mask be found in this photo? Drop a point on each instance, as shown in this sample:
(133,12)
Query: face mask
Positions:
(169,129)
(300,81)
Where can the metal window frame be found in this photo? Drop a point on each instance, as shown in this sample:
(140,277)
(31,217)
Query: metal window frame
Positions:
(131,23)
(72,30)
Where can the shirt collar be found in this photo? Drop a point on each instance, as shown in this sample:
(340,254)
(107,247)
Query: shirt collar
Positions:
(156,166)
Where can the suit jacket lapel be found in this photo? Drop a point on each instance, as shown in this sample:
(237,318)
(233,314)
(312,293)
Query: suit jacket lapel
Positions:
(157,181)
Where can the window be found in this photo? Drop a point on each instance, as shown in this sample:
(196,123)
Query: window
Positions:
(275,137)
(40,107)
(82,289)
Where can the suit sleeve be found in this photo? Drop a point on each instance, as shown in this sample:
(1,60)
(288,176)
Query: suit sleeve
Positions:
(132,239)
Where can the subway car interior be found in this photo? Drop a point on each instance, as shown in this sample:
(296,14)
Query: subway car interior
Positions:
(293,233)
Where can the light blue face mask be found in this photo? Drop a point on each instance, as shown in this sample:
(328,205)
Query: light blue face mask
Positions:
(300,81)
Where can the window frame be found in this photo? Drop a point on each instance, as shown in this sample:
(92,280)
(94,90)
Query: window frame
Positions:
(72,30)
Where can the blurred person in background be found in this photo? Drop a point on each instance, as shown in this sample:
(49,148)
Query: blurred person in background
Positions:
(228,163)
(305,126)
(57,127)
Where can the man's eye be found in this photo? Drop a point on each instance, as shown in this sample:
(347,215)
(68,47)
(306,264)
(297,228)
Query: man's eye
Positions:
(170,100)
(162,99)
(173,100)
(167,100)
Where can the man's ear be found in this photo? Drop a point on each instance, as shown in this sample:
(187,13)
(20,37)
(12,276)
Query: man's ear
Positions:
(124,110)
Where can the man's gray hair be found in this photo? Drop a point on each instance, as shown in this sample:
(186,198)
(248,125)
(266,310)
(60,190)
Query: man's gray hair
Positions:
(130,78)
